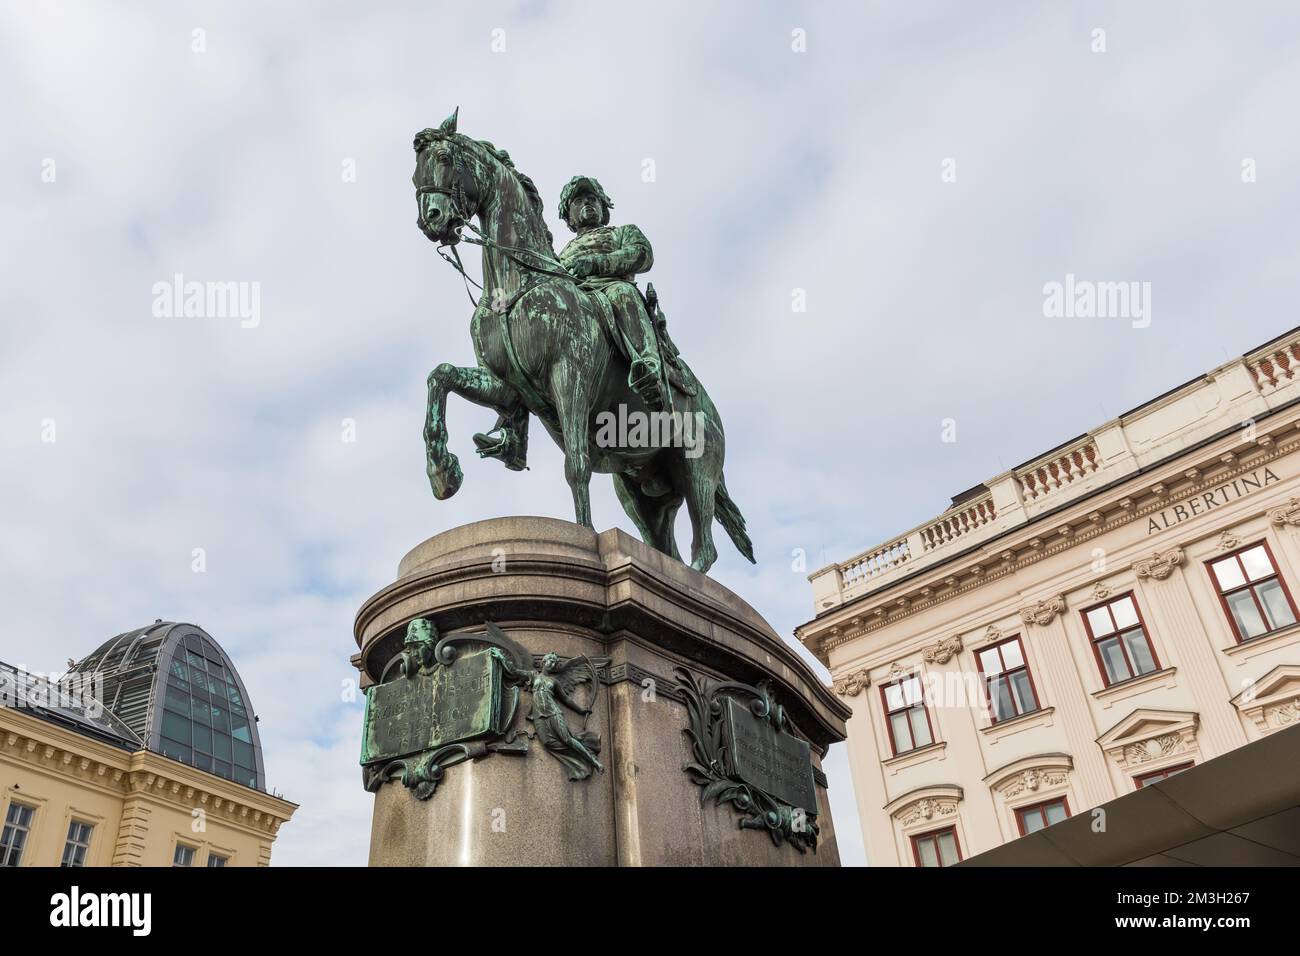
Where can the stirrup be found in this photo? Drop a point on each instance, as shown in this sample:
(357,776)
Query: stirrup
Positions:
(506,447)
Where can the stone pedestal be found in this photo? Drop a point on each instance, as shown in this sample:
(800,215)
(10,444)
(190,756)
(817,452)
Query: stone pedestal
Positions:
(637,616)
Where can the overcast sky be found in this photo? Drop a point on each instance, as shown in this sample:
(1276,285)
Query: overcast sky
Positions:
(782,161)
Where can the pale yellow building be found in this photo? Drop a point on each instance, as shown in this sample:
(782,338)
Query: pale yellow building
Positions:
(145,754)
(1094,622)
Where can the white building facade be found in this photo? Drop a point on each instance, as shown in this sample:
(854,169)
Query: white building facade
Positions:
(1118,610)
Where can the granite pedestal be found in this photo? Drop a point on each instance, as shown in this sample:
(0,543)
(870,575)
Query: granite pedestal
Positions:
(553,586)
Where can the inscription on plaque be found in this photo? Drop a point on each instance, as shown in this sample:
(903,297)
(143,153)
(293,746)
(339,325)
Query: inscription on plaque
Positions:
(446,705)
(777,762)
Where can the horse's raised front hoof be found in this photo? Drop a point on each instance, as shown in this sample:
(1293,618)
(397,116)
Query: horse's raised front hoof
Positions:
(445,481)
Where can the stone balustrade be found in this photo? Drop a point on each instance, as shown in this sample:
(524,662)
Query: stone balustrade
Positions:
(1045,477)
(1232,396)
(880,561)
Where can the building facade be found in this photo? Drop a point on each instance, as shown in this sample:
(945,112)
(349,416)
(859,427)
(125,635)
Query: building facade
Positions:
(146,753)
(1118,610)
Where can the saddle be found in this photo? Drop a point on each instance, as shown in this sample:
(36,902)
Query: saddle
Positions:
(675,370)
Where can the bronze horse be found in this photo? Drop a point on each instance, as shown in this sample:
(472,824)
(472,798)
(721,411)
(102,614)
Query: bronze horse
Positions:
(542,349)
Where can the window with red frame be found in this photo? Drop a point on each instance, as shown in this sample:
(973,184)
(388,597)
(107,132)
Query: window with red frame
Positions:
(936,848)
(1252,592)
(1155,776)
(909,724)
(1007,682)
(1119,640)
(1040,815)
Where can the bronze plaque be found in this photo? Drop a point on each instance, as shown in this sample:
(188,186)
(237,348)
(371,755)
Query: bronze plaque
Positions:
(773,761)
(409,715)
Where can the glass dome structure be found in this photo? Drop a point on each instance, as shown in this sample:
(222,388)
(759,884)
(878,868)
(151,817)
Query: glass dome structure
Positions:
(179,692)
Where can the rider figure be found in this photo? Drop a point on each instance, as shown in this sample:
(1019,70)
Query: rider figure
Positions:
(607,259)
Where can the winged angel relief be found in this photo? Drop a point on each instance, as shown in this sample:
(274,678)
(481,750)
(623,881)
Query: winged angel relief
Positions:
(554,688)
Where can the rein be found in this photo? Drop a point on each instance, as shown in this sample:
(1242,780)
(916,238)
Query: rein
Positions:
(514,253)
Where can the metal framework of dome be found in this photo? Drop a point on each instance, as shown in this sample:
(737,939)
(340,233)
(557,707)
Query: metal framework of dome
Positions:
(175,688)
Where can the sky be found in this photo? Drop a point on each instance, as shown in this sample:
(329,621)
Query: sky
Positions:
(854,207)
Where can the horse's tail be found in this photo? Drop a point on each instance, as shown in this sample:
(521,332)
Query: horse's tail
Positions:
(732,520)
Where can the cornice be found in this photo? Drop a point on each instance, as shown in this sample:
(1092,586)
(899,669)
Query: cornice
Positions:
(1138,497)
(620,586)
(162,779)
(140,773)
(62,761)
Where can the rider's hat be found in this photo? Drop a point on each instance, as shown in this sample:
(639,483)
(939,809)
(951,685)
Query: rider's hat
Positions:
(581,184)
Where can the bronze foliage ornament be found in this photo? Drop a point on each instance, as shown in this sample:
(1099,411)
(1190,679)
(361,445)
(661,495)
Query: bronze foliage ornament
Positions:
(714,766)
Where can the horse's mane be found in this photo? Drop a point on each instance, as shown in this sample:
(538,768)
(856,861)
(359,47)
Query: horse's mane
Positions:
(425,137)
(530,187)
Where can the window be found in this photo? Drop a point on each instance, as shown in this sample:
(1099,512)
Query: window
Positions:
(184,855)
(1040,815)
(1007,683)
(74,851)
(1119,640)
(1253,595)
(937,848)
(13,839)
(909,724)
(1155,776)
(205,721)
(216,859)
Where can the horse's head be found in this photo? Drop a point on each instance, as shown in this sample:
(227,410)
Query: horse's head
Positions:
(446,188)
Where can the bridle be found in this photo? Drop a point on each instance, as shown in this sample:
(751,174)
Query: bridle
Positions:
(461,213)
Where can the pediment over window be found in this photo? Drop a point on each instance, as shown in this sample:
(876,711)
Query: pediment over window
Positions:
(1039,773)
(1148,735)
(1273,701)
(925,805)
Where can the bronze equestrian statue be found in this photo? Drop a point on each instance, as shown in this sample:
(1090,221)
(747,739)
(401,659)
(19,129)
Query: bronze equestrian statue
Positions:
(563,338)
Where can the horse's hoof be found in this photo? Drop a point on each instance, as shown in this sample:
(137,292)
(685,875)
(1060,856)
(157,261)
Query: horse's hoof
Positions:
(446,481)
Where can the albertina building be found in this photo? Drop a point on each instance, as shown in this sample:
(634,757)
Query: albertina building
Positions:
(1093,659)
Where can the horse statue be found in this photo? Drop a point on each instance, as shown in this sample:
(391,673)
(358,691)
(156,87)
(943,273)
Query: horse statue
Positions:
(544,347)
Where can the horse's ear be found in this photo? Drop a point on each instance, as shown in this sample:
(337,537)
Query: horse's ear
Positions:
(449,124)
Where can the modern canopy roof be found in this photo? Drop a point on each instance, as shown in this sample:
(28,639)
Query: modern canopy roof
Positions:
(176,690)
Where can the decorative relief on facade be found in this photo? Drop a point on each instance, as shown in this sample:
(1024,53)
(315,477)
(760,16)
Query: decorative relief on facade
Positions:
(1149,736)
(1283,715)
(853,683)
(1228,540)
(1043,612)
(993,634)
(927,808)
(1288,514)
(1100,591)
(943,651)
(1160,565)
(1273,701)
(1033,780)
(1153,749)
